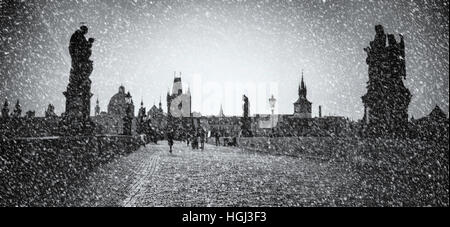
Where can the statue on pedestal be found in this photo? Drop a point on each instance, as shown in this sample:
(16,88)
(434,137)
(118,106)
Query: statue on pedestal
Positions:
(387,99)
(246,121)
(128,118)
(78,95)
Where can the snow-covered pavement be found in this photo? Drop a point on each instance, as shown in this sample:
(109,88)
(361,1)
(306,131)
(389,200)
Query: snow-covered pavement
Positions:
(217,176)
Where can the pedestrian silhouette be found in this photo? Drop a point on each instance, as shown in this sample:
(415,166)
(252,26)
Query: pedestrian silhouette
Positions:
(202,139)
(170,140)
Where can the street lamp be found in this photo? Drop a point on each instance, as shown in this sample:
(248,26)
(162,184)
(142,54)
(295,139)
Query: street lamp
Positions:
(272,102)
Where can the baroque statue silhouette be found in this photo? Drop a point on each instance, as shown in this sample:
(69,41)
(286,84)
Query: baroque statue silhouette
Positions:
(387,99)
(78,94)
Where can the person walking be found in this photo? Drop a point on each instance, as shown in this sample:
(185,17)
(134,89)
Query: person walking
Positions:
(143,139)
(195,141)
(202,139)
(170,140)
(188,138)
(217,136)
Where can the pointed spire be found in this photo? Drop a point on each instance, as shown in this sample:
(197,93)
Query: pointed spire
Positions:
(303,81)
(17,109)
(142,101)
(221,114)
(5,109)
(97,108)
(302,92)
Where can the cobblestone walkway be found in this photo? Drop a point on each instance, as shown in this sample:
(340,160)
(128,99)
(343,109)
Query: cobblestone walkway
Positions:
(217,176)
(121,182)
(148,167)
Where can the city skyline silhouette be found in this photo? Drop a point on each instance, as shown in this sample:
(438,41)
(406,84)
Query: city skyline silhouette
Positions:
(141,44)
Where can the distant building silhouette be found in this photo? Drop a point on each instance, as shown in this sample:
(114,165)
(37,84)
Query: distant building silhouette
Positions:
(302,107)
(97,108)
(141,118)
(5,109)
(179,103)
(142,111)
(155,112)
(387,99)
(299,123)
(112,121)
(50,112)
(17,110)
(129,116)
(30,114)
(117,105)
(156,118)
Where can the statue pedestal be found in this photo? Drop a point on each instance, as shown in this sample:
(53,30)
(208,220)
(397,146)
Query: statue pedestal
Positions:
(76,120)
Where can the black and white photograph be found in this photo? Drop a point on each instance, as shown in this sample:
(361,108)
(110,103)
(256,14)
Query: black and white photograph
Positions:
(224,104)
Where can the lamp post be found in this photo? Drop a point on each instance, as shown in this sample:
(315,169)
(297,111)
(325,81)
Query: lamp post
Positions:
(272,102)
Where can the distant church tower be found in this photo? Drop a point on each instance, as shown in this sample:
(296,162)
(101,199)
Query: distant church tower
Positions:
(303,107)
(221,114)
(179,103)
(97,108)
(141,118)
(142,110)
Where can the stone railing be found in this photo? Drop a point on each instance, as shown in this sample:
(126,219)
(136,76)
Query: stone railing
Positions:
(47,171)
(346,148)
(419,167)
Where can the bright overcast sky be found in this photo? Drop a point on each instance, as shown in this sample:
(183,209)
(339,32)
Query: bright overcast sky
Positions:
(224,49)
